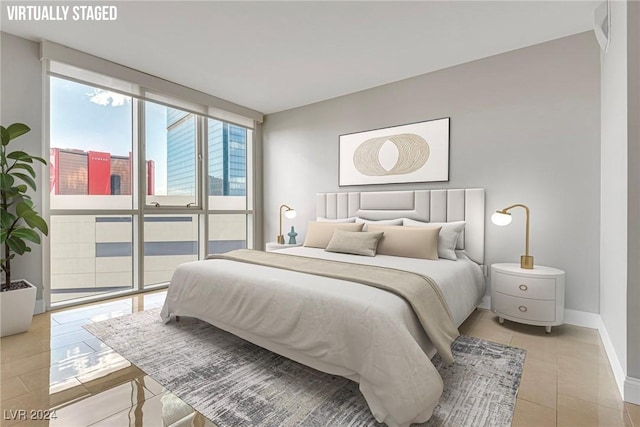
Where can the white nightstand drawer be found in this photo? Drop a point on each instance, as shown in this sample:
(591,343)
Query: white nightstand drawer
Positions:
(526,287)
(526,309)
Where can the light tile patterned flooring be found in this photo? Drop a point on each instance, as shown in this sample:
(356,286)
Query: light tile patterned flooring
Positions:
(59,366)
(567,380)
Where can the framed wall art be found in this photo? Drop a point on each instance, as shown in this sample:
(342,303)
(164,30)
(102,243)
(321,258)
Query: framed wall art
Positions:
(416,152)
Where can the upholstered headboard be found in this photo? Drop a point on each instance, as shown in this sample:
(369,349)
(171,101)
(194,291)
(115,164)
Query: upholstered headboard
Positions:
(421,205)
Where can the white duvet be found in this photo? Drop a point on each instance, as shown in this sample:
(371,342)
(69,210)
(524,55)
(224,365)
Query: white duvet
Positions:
(343,328)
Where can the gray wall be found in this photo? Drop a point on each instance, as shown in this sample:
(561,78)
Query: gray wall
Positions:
(620,202)
(21,101)
(613,208)
(633,122)
(525,125)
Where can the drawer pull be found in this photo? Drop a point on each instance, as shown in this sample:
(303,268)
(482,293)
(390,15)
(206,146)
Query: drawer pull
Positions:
(522,308)
(523,287)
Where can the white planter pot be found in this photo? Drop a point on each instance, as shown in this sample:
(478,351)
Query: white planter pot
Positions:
(16,310)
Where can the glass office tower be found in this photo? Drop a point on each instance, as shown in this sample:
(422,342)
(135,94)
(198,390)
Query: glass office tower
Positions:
(181,156)
(227,159)
(227,156)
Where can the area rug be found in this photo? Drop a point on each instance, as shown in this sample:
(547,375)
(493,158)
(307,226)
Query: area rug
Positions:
(235,383)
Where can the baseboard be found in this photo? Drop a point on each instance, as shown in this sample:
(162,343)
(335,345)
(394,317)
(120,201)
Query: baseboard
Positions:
(614,361)
(39,307)
(594,321)
(628,387)
(485,302)
(632,390)
(582,318)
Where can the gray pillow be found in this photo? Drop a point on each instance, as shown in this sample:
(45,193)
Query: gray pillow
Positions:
(354,242)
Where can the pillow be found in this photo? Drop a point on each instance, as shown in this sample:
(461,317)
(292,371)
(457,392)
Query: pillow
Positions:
(381,222)
(448,238)
(354,242)
(410,242)
(319,233)
(321,219)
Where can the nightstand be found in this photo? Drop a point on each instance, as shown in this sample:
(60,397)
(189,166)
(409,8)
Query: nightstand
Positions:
(273,246)
(533,297)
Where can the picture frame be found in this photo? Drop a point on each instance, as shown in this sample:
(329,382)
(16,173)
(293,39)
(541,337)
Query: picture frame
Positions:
(410,153)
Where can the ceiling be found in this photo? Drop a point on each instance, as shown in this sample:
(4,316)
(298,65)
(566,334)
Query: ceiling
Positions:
(274,56)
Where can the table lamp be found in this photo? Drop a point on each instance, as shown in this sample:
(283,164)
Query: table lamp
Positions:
(503,217)
(289,213)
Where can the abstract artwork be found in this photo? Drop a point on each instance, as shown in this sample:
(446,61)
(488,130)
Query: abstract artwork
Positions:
(417,152)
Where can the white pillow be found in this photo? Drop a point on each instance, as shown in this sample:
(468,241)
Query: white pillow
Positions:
(341,220)
(397,221)
(448,237)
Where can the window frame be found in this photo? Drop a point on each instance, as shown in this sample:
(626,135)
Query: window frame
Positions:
(139,207)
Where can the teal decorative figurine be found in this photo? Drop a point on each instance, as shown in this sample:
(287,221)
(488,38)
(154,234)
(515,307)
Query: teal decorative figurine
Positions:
(292,236)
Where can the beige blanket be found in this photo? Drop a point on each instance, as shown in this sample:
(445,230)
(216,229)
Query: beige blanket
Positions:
(421,292)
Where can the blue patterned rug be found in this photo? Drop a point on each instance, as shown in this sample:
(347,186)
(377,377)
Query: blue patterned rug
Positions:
(235,383)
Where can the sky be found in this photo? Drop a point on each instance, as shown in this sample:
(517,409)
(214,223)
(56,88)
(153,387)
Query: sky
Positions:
(90,119)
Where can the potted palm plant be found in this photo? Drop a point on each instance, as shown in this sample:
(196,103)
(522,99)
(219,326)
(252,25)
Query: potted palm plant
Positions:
(20,224)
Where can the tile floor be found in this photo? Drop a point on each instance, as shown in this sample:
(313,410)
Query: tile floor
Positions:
(58,366)
(567,380)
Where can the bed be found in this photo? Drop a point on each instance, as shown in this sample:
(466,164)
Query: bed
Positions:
(341,327)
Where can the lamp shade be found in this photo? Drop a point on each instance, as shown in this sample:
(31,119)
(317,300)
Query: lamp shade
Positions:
(290,213)
(499,218)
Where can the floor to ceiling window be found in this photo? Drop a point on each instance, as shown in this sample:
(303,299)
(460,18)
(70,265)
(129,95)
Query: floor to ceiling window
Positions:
(171,146)
(137,188)
(227,179)
(91,178)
